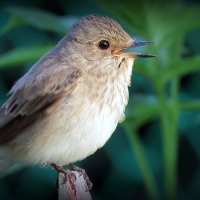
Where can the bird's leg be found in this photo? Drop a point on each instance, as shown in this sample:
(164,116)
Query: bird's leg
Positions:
(82,172)
(69,176)
(58,168)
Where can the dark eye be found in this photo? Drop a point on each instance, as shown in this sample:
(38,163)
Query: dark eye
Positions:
(103,44)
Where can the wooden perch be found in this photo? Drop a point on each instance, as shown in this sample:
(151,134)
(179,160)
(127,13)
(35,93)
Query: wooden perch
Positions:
(72,191)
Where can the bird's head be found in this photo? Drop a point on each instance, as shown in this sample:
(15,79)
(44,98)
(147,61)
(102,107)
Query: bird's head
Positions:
(101,38)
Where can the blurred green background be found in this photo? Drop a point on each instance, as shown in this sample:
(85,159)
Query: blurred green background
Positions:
(155,152)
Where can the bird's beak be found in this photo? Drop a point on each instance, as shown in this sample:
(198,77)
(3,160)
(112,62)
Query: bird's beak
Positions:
(141,55)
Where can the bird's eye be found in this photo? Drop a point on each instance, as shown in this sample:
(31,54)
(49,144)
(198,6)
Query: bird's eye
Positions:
(103,44)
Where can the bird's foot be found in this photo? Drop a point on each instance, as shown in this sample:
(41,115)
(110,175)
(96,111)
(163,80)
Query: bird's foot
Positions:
(69,175)
(81,173)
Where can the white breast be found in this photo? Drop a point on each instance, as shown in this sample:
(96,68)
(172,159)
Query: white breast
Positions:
(80,127)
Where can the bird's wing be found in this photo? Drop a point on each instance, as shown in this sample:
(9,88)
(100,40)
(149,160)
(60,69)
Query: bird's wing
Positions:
(42,86)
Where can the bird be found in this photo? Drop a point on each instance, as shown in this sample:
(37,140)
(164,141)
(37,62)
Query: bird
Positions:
(71,100)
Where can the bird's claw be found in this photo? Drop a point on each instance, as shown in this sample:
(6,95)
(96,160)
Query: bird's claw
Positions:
(69,176)
(82,173)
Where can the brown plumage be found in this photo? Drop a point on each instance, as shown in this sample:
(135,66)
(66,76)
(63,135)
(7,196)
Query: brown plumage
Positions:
(70,102)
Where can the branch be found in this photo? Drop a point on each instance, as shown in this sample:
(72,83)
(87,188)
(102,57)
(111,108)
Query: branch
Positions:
(72,190)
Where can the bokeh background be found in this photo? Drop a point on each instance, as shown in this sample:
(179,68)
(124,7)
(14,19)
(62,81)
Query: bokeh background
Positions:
(155,152)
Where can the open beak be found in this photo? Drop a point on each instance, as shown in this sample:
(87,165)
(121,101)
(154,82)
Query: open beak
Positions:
(141,55)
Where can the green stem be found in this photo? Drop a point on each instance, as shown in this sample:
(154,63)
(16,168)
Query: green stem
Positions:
(143,162)
(169,122)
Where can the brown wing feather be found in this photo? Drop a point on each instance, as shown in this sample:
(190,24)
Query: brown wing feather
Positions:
(19,123)
(43,85)
(14,127)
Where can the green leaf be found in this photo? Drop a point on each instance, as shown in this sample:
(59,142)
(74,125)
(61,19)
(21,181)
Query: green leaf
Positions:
(191,105)
(182,67)
(20,56)
(142,110)
(41,19)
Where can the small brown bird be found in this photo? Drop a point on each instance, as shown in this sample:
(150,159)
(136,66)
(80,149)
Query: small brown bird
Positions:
(70,102)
